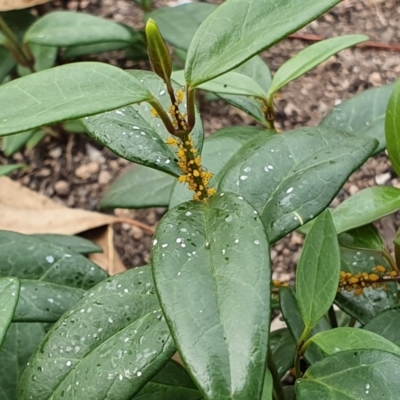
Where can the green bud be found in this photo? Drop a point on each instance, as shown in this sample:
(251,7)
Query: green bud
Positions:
(159,55)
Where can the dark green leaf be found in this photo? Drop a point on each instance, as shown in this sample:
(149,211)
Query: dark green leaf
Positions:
(283,349)
(136,134)
(218,150)
(65,28)
(14,143)
(171,383)
(141,187)
(212,272)
(386,324)
(309,58)
(112,342)
(92,49)
(7,63)
(366,237)
(291,177)
(268,386)
(291,315)
(66,92)
(236,31)
(352,375)
(18,22)
(76,243)
(371,302)
(362,115)
(392,128)
(366,206)
(21,341)
(44,302)
(9,294)
(343,339)
(190,16)
(29,257)
(7,169)
(317,275)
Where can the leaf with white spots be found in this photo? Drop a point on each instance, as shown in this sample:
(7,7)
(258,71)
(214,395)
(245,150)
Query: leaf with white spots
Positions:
(136,134)
(29,257)
(295,175)
(107,346)
(43,301)
(9,294)
(212,272)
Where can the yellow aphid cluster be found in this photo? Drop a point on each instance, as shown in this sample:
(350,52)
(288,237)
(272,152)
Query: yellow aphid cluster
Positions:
(194,174)
(358,282)
(178,119)
(278,283)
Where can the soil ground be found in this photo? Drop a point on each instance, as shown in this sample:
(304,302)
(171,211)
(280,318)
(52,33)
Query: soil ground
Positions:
(77,171)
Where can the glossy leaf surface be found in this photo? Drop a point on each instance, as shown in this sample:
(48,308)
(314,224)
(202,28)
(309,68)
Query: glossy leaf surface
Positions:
(366,206)
(212,273)
(66,28)
(9,294)
(136,134)
(386,324)
(371,302)
(111,342)
(343,339)
(66,92)
(283,349)
(218,150)
(317,277)
(236,31)
(141,187)
(362,115)
(281,175)
(21,341)
(76,243)
(43,301)
(29,257)
(352,375)
(310,57)
(366,237)
(392,128)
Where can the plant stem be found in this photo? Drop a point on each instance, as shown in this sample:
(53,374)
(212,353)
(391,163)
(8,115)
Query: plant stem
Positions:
(278,389)
(191,109)
(388,257)
(332,317)
(300,351)
(163,115)
(15,48)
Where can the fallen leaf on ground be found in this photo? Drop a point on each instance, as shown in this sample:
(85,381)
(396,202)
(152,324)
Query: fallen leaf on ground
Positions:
(8,5)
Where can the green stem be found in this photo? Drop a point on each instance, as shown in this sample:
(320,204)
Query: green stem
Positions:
(163,115)
(332,317)
(191,107)
(388,257)
(299,351)
(14,46)
(278,389)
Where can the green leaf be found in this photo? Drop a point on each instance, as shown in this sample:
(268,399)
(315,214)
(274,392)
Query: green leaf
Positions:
(268,386)
(66,92)
(212,272)
(352,375)
(343,339)
(283,349)
(386,324)
(7,63)
(18,22)
(236,31)
(29,257)
(190,16)
(44,56)
(92,49)
(172,382)
(291,177)
(229,83)
(291,315)
(372,301)
(14,143)
(366,237)
(111,342)
(21,341)
(7,169)
(317,275)
(9,294)
(309,58)
(362,115)
(392,128)
(37,137)
(141,187)
(76,243)
(218,150)
(66,28)
(44,302)
(134,133)
(366,206)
